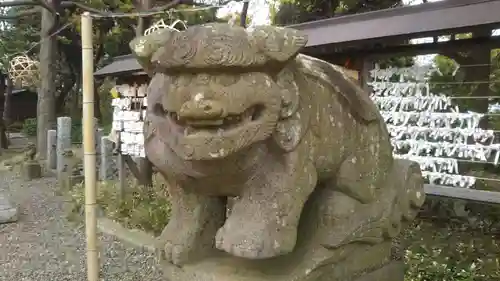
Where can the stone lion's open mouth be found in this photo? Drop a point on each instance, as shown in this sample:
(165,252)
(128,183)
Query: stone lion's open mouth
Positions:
(215,126)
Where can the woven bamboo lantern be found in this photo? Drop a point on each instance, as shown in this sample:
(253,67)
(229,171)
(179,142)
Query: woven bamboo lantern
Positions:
(24,72)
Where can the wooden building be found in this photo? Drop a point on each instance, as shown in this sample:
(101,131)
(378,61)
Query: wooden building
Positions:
(124,68)
(127,71)
(23,105)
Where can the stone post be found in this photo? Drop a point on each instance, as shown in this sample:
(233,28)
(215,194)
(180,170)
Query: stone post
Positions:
(98,140)
(63,141)
(51,149)
(106,168)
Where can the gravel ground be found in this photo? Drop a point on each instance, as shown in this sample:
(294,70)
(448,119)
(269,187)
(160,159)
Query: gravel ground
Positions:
(44,245)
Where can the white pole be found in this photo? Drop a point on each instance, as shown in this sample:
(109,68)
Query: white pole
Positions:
(89,148)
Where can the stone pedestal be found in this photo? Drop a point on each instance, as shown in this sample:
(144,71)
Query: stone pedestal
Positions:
(31,170)
(392,271)
(8,212)
(68,181)
(310,261)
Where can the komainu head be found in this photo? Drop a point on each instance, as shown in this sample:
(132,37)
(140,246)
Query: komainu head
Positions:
(217,89)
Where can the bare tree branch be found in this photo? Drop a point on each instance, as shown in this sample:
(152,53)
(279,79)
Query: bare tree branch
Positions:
(66,4)
(18,3)
(21,14)
(46,6)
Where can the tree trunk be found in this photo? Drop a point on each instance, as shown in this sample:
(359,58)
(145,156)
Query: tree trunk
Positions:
(143,22)
(46,92)
(3,90)
(6,107)
(244,13)
(145,166)
(6,112)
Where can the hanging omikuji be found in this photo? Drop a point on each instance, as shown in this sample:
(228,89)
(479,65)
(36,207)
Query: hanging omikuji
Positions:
(427,128)
(129,113)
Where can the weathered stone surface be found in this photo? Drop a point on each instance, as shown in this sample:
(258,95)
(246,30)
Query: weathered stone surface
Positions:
(30,152)
(63,141)
(31,170)
(51,149)
(72,172)
(8,211)
(300,147)
(75,179)
(99,133)
(107,167)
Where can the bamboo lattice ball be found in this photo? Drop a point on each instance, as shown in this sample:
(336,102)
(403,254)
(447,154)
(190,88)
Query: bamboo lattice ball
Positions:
(162,25)
(24,71)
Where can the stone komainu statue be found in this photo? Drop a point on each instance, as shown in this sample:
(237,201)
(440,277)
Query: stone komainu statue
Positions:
(299,147)
(30,152)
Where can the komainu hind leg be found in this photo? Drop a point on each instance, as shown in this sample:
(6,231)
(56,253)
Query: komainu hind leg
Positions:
(359,177)
(373,217)
(409,182)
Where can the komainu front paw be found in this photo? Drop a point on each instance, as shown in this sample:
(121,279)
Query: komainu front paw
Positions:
(255,240)
(180,245)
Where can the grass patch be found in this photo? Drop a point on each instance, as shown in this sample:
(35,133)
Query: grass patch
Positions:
(147,209)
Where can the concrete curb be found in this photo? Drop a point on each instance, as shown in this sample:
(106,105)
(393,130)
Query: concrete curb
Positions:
(137,238)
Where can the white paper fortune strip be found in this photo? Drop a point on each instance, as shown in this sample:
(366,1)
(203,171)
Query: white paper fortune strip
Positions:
(127,123)
(475,152)
(428,128)
(450,180)
(447,135)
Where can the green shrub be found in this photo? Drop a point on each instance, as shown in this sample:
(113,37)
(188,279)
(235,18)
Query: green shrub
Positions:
(453,240)
(29,127)
(147,209)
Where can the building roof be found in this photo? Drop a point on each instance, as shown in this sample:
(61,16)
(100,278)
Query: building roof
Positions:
(366,29)
(416,20)
(122,65)
(22,90)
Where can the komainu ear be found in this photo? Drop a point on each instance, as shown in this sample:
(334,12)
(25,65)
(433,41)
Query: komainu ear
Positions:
(278,43)
(143,47)
(295,111)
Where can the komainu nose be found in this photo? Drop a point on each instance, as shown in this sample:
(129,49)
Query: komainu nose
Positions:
(202,109)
